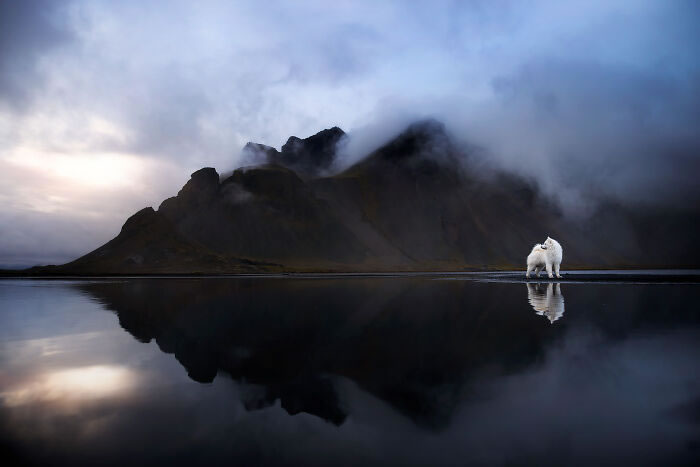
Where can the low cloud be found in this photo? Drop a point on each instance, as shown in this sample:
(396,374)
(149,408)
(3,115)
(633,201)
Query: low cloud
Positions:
(583,130)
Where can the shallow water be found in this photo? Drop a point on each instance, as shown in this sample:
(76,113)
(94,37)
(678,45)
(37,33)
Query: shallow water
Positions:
(347,371)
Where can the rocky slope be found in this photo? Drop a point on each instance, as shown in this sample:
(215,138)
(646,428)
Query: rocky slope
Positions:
(413,204)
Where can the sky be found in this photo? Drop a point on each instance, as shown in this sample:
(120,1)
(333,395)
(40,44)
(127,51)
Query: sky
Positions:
(107,107)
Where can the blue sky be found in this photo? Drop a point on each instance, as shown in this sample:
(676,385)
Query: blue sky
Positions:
(106,107)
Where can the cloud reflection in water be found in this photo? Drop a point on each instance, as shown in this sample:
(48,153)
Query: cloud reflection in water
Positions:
(71,386)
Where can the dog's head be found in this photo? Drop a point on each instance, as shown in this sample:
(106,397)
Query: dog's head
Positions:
(549,243)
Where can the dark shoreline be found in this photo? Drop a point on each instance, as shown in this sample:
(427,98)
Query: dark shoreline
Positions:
(604,276)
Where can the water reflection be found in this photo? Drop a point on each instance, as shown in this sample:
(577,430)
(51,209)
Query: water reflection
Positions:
(71,385)
(403,371)
(411,343)
(546,299)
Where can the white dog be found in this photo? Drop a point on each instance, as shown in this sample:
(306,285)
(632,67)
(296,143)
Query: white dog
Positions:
(545,255)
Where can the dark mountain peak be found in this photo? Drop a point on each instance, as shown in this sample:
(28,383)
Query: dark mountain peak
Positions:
(262,152)
(258,154)
(202,184)
(313,155)
(139,220)
(204,176)
(424,147)
(329,134)
(324,139)
(269,180)
(308,157)
(424,137)
(199,190)
(292,145)
(428,128)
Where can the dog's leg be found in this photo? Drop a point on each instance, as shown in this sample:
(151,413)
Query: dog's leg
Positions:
(537,271)
(549,270)
(556,270)
(527,274)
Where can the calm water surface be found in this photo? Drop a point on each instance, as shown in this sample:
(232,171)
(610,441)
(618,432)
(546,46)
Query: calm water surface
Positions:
(348,371)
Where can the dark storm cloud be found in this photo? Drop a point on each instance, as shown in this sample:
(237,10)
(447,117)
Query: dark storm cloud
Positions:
(28,30)
(598,129)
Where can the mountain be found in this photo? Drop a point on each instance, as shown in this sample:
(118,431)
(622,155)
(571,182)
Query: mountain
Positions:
(416,203)
(309,157)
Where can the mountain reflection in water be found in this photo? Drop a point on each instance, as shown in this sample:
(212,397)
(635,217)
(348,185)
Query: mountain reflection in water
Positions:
(348,371)
(409,342)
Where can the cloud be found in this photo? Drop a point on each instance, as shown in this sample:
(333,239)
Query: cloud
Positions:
(28,30)
(53,212)
(595,130)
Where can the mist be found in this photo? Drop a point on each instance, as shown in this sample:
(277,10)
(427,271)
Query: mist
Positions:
(107,107)
(582,131)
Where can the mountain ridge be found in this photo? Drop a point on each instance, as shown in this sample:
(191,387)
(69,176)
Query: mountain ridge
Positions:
(412,204)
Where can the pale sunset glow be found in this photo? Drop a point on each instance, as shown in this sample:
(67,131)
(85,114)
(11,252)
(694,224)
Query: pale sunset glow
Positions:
(97,170)
(73,385)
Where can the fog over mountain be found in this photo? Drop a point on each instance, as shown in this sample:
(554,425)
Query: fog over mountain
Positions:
(416,203)
(104,106)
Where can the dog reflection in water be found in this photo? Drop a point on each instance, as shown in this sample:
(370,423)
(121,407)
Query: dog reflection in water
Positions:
(546,300)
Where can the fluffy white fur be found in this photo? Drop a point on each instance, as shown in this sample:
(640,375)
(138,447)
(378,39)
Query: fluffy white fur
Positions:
(547,255)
